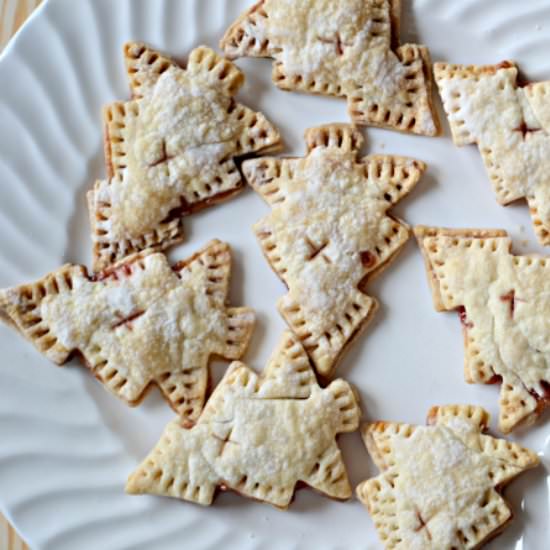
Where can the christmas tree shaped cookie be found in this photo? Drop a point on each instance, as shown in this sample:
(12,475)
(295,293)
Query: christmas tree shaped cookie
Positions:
(170,150)
(258,435)
(348,49)
(503,301)
(510,124)
(441,484)
(328,232)
(137,323)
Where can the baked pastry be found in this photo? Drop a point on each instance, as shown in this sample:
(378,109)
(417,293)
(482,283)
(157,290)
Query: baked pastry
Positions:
(170,150)
(348,49)
(440,486)
(510,123)
(137,323)
(258,435)
(503,302)
(329,232)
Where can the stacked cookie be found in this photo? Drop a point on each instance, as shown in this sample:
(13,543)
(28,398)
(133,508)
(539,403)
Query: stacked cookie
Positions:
(136,320)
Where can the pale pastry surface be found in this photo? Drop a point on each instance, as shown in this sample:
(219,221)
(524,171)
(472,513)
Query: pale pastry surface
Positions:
(329,229)
(438,484)
(139,323)
(510,124)
(258,435)
(170,150)
(183,120)
(345,48)
(506,313)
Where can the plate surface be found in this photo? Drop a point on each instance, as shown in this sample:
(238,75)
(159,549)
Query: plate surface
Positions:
(67,446)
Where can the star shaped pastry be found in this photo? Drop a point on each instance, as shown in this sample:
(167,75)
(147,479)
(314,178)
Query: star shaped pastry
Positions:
(258,436)
(440,486)
(503,301)
(349,49)
(510,123)
(137,323)
(329,231)
(170,150)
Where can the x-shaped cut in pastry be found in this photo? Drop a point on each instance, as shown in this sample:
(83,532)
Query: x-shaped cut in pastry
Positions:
(510,123)
(503,301)
(440,484)
(329,231)
(139,322)
(170,150)
(346,48)
(258,435)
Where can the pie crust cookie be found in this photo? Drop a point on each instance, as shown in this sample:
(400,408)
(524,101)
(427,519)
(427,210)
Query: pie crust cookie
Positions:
(258,435)
(348,49)
(440,486)
(169,151)
(504,304)
(137,323)
(510,124)
(328,232)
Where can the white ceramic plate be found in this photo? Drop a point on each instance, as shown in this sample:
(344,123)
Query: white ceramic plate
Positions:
(66,445)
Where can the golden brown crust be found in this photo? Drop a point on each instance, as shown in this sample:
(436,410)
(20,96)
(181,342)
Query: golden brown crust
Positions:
(107,145)
(395,17)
